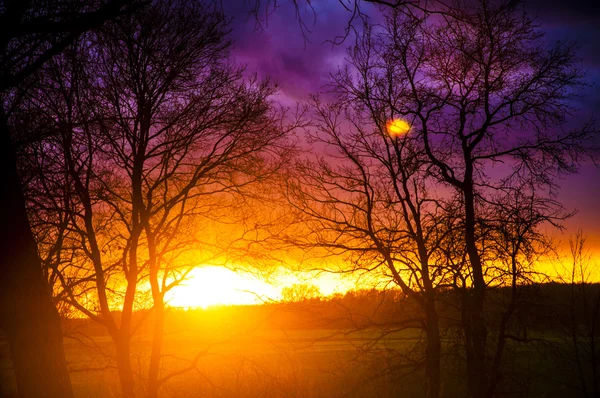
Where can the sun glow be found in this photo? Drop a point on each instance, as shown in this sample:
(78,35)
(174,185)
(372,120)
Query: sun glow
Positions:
(210,285)
(397,127)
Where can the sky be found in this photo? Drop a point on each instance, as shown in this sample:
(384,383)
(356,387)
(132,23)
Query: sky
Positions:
(302,65)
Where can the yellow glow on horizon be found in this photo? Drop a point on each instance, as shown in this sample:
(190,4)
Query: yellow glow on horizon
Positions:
(211,285)
(208,286)
(397,127)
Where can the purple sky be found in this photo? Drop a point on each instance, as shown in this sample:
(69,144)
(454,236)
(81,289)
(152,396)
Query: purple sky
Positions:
(279,51)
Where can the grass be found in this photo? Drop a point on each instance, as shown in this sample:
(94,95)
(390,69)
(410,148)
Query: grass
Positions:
(258,360)
(265,363)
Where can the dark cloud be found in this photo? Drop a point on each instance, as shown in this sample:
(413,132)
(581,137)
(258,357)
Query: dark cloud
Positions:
(570,12)
(278,49)
(576,21)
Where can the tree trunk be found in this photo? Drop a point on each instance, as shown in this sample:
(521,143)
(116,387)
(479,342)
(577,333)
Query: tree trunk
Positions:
(434,349)
(27,314)
(123,352)
(159,315)
(474,344)
(157,341)
(473,313)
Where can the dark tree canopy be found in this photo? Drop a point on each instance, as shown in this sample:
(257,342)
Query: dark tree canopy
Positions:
(33,32)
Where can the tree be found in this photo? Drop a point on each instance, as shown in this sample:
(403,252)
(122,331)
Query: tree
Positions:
(154,132)
(370,203)
(300,292)
(579,317)
(33,33)
(479,89)
(512,245)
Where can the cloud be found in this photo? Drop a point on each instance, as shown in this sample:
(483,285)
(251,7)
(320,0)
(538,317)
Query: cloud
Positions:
(301,64)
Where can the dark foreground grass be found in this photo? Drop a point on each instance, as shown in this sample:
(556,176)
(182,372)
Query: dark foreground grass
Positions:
(299,363)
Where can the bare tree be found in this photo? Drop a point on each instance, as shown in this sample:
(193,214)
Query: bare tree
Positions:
(578,312)
(154,132)
(300,292)
(33,33)
(512,247)
(479,90)
(368,201)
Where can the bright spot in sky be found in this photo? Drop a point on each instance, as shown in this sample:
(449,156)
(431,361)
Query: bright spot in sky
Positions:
(210,285)
(397,127)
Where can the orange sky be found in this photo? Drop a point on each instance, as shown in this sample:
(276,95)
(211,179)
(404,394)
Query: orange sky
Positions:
(215,285)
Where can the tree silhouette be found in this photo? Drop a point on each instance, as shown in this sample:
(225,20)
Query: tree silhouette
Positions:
(152,132)
(479,89)
(300,292)
(577,311)
(33,32)
(370,203)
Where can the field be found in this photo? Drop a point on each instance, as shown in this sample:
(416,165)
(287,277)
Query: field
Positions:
(305,363)
(263,352)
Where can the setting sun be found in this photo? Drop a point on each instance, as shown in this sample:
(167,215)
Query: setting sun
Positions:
(397,127)
(211,285)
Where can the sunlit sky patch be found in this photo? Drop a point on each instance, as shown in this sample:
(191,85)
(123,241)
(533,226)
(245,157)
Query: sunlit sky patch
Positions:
(397,127)
(215,285)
